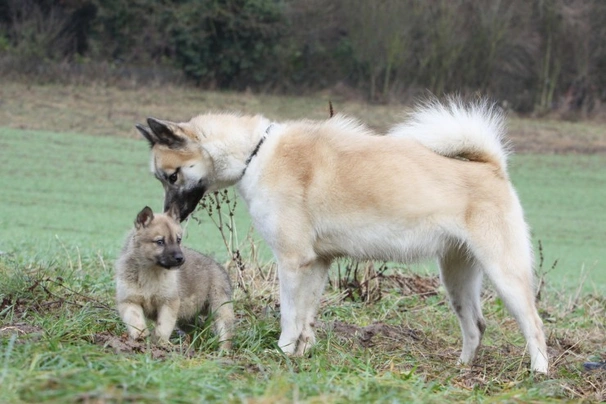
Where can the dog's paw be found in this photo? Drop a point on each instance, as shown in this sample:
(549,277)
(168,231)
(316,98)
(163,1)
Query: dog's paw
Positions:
(306,341)
(139,335)
(161,341)
(225,346)
(288,350)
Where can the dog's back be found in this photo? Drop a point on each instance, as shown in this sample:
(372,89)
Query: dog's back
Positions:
(201,279)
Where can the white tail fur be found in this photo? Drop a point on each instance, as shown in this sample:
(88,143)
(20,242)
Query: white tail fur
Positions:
(454,129)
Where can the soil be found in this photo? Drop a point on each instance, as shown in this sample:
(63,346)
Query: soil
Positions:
(21,329)
(122,344)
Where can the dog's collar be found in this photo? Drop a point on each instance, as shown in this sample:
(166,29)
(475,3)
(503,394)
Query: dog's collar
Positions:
(256,149)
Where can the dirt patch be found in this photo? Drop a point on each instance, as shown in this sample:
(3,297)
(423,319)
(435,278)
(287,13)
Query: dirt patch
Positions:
(20,329)
(362,281)
(47,295)
(122,344)
(373,334)
(413,284)
(40,303)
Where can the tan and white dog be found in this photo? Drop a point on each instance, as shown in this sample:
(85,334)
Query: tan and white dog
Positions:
(434,186)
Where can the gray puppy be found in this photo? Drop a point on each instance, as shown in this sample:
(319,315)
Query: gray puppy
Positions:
(159,280)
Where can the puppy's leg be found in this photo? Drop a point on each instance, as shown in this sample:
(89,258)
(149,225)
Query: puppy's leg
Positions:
(462,278)
(133,317)
(301,286)
(222,311)
(167,320)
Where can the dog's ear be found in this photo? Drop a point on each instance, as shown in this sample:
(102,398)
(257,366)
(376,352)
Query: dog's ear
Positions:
(173,211)
(165,133)
(144,217)
(151,138)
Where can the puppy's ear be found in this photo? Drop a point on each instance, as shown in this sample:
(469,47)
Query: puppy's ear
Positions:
(166,133)
(173,212)
(144,217)
(151,138)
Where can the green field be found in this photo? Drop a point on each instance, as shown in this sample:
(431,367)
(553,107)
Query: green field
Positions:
(564,199)
(68,200)
(80,191)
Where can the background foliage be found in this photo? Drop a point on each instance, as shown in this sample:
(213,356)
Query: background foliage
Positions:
(532,55)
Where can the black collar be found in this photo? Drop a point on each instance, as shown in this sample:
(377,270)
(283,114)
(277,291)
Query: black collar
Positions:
(255,150)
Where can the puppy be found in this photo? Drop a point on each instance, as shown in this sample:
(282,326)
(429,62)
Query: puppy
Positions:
(158,280)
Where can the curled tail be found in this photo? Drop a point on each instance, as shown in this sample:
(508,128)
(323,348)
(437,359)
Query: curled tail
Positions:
(453,129)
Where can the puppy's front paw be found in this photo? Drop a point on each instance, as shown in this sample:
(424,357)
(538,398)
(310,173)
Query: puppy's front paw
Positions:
(137,334)
(225,346)
(161,341)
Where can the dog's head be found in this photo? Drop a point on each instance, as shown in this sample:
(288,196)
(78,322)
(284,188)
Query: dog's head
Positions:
(180,163)
(159,238)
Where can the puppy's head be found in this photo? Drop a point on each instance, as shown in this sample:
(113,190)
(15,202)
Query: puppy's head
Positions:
(159,238)
(180,163)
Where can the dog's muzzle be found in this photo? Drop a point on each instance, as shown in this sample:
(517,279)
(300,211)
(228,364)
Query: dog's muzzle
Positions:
(171,260)
(185,201)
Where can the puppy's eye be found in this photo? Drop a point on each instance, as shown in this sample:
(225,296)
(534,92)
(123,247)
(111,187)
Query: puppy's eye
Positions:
(173,178)
(179,240)
(160,242)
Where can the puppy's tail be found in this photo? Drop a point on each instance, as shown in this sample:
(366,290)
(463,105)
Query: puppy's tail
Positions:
(453,129)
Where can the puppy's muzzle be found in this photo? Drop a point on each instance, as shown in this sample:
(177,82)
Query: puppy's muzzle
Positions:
(171,260)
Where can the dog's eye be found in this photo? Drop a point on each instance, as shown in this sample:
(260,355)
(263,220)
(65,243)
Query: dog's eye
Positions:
(160,242)
(173,178)
(178,240)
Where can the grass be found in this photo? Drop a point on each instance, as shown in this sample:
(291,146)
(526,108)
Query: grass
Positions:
(79,191)
(68,200)
(563,197)
(401,348)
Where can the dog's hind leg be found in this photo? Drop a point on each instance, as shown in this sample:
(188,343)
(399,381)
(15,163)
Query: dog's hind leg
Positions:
(222,312)
(301,286)
(506,257)
(461,275)
(513,281)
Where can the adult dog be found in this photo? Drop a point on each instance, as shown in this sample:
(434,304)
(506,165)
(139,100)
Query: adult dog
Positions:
(435,185)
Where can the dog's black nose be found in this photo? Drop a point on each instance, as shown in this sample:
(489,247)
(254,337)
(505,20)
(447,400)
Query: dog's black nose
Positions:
(179,258)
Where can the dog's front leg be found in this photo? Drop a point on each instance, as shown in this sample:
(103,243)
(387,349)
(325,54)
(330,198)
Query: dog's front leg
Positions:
(301,286)
(167,320)
(133,317)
